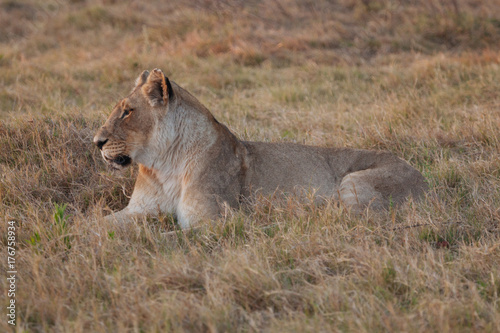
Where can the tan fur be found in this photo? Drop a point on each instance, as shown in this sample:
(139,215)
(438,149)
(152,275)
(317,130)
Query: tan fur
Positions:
(191,165)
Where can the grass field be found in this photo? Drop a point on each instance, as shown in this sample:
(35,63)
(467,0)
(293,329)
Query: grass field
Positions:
(418,78)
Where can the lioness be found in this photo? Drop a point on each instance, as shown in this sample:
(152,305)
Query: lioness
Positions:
(192,165)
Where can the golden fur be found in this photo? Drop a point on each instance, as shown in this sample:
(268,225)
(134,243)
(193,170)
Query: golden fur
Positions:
(191,165)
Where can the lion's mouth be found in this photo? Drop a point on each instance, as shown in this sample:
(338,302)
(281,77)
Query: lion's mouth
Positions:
(118,162)
(122,160)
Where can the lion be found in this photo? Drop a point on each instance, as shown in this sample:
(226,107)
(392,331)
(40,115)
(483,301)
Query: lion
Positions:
(192,166)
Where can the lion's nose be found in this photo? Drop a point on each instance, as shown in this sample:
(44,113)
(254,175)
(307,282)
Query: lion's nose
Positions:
(100,142)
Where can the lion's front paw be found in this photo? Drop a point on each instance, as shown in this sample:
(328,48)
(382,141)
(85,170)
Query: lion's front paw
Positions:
(123,223)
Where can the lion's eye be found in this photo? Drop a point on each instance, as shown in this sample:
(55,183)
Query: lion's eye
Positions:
(126,112)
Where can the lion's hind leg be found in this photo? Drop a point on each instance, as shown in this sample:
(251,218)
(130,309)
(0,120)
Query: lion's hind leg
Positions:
(358,191)
(381,186)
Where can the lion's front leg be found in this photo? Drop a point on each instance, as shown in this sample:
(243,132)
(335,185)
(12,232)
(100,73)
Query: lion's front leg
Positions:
(190,213)
(147,199)
(196,206)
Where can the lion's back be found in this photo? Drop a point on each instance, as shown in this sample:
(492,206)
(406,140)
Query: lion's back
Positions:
(285,167)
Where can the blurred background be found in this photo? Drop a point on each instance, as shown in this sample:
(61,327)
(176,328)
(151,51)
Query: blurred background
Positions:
(79,46)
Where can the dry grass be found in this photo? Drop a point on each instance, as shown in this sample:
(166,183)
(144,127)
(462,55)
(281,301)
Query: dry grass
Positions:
(418,78)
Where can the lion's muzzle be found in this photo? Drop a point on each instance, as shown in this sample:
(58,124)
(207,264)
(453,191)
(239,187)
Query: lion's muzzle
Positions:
(113,152)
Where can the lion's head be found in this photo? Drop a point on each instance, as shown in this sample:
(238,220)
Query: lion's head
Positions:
(127,132)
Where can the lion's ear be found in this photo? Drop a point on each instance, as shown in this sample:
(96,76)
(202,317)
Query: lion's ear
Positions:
(139,82)
(157,88)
